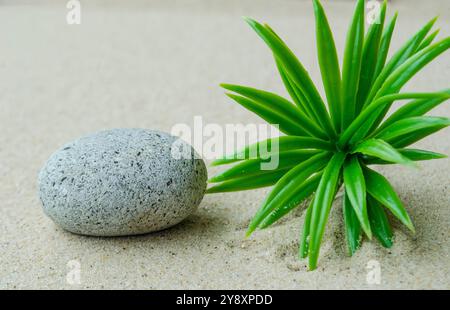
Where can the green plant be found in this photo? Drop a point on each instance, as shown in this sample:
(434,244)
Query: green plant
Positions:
(324,149)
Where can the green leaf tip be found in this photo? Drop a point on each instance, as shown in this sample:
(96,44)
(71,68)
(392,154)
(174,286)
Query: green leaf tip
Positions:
(249,232)
(250,21)
(317,5)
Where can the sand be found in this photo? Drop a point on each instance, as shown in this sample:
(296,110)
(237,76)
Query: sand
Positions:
(158,64)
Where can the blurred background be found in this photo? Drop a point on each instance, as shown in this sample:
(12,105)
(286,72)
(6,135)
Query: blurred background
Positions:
(153,64)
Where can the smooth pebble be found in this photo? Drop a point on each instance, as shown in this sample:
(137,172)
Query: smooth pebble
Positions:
(122,182)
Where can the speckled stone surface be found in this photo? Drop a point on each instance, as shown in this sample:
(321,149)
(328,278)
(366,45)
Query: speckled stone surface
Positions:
(121,182)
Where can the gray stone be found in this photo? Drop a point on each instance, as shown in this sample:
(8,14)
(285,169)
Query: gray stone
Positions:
(121,182)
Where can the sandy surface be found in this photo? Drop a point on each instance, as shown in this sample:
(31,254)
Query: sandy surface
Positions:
(155,65)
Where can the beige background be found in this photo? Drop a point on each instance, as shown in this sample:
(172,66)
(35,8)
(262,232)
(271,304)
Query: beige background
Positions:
(157,63)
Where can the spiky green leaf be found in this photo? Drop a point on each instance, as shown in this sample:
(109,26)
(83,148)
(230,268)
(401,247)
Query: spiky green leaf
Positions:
(411,125)
(381,190)
(415,108)
(288,186)
(403,54)
(285,123)
(412,154)
(304,237)
(302,192)
(296,95)
(359,128)
(329,64)
(428,40)
(369,58)
(352,225)
(379,222)
(256,167)
(297,73)
(352,64)
(248,182)
(355,189)
(408,139)
(322,204)
(266,148)
(384,47)
(383,150)
(406,71)
(280,106)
